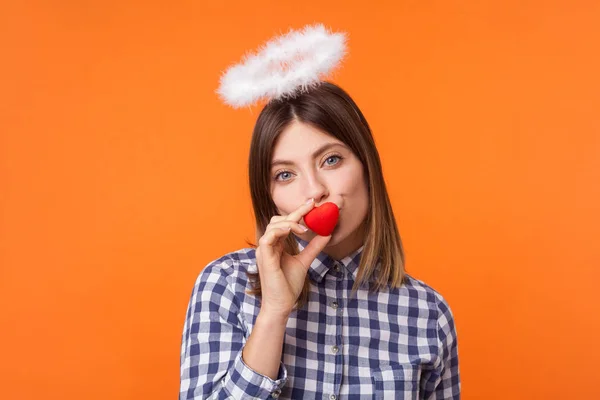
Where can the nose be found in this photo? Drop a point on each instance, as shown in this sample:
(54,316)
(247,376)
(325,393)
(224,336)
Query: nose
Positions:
(316,189)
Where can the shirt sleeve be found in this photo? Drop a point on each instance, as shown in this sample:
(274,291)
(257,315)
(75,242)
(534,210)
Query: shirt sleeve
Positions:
(443,381)
(211,350)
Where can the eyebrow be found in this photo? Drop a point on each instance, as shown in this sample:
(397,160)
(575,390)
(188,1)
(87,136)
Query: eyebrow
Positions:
(316,153)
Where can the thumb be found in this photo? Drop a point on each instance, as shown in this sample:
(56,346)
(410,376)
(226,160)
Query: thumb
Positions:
(312,250)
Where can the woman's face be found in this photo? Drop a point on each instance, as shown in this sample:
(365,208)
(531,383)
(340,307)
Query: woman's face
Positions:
(307,163)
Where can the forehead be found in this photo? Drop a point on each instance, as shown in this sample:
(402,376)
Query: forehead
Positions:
(299,138)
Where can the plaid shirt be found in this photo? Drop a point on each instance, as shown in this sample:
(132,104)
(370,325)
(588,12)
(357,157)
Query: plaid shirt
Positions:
(398,343)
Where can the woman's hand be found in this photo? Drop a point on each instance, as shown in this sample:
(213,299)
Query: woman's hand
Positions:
(281,274)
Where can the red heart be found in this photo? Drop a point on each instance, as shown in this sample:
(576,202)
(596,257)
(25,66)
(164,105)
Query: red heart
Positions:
(322,219)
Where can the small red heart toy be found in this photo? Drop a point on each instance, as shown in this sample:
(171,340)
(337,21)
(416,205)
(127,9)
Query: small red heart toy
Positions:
(322,219)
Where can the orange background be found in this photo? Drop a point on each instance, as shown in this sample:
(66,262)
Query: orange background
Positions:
(122,176)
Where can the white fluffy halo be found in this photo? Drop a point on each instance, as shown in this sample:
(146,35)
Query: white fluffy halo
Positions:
(285,64)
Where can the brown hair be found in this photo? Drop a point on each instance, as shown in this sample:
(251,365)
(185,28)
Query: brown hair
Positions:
(329,108)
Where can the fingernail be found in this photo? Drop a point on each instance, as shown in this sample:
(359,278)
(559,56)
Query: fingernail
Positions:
(305,229)
(310,201)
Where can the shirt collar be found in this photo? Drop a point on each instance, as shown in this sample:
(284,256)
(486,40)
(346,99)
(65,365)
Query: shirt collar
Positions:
(323,262)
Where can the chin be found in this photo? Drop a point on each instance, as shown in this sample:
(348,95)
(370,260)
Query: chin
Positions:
(336,238)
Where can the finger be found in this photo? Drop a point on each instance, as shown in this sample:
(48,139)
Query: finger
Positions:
(271,237)
(312,250)
(296,227)
(276,218)
(269,258)
(298,213)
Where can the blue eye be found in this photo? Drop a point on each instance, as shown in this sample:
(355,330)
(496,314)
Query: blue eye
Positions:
(333,157)
(282,173)
(284,176)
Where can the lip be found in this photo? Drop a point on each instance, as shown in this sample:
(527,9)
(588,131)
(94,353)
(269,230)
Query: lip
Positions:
(339,208)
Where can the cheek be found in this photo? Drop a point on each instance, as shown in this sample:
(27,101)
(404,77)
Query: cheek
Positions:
(352,184)
(285,200)
(356,196)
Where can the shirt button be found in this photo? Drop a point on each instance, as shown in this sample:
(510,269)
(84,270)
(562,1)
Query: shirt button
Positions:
(334,304)
(335,349)
(336,267)
(332,397)
(276,394)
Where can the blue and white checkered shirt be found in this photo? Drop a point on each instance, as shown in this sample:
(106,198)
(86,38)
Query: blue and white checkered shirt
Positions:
(398,343)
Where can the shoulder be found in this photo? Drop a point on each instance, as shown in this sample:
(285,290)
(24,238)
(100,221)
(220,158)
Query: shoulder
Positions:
(431,298)
(228,272)
(229,264)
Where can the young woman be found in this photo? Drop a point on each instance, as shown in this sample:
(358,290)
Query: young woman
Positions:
(303,316)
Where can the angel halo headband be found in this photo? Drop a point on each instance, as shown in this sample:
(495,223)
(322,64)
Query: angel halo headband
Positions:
(282,67)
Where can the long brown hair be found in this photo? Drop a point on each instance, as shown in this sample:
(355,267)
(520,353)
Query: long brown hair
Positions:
(329,108)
